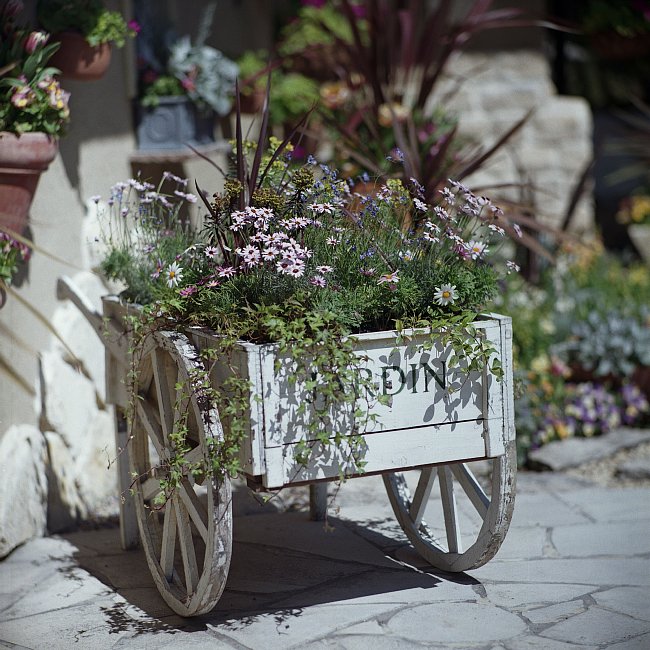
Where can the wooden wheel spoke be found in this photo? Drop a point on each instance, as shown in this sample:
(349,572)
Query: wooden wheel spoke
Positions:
(421,496)
(194,456)
(450,510)
(195,508)
(472,488)
(181,403)
(150,489)
(164,389)
(187,546)
(168,541)
(151,423)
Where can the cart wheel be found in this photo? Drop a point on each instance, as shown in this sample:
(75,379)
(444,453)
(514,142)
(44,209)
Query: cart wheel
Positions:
(482,508)
(187,537)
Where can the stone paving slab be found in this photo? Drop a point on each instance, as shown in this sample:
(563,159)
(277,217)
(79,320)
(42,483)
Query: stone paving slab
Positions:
(573,573)
(572,452)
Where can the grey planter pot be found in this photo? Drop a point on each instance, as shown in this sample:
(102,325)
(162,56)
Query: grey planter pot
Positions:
(173,124)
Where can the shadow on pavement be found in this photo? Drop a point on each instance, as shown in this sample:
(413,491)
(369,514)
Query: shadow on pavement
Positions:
(281,564)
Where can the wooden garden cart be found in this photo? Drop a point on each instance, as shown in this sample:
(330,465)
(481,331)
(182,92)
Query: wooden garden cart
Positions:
(439,424)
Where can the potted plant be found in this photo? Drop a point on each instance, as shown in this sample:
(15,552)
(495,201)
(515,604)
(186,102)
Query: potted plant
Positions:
(618,30)
(33,113)
(181,94)
(252,81)
(86,31)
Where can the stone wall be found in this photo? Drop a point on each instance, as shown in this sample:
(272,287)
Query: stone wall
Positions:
(548,155)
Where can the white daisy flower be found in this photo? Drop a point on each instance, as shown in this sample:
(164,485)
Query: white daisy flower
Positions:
(445,294)
(226,271)
(420,205)
(174,274)
(391,278)
(322,208)
(476,249)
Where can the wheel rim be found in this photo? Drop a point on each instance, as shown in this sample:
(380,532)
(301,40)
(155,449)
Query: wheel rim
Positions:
(468,518)
(187,538)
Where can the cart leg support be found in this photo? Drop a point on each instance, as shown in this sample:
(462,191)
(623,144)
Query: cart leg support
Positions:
(318,501)
(128,521)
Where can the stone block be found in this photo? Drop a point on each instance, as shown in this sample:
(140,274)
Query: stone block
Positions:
(635,468)
(23,489)
(555,613)
(70,409)
(563,117)
(69,401)
(610,504)
(95,467)
(462,623)
(79,335)
(596,626)
(65,505)
(632,601)
(563,454)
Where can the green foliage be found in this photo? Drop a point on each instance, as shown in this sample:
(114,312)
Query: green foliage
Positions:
(31,99)
(314,27)
(188,67)
(625,17)
(163,86)
(11,253)
(89,17)
(587,321)
(293,95)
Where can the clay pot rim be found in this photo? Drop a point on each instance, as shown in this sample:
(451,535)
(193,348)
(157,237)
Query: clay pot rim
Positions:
(39,151)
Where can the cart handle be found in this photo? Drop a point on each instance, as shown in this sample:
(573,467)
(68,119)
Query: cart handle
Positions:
(109,334)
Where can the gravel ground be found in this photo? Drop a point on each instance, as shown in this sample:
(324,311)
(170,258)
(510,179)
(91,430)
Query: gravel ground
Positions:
(604,472)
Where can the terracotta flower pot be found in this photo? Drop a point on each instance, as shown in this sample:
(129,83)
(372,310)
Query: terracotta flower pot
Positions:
(78,60)
(253,102)
(22,160)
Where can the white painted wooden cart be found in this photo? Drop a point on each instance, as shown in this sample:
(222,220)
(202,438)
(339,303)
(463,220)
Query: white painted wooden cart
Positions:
(441,424)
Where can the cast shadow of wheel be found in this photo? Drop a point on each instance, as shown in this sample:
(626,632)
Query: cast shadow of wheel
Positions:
(282,563)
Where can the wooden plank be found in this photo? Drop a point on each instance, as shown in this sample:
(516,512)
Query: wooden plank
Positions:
(385,451)
(423,390)
(493,395)
(129,535)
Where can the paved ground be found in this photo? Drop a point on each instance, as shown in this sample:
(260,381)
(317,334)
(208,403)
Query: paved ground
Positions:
(574,572)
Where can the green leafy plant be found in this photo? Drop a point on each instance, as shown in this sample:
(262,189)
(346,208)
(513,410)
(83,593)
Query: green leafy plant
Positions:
(12,252)
(390,57)
(195,70)
(31,98)
(587,323)
(626,17)
(88,17)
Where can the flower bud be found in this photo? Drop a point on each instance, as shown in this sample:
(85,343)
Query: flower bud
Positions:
(35,40)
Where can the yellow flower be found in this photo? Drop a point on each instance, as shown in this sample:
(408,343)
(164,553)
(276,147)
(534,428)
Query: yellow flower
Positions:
(334,94)
(387,111)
